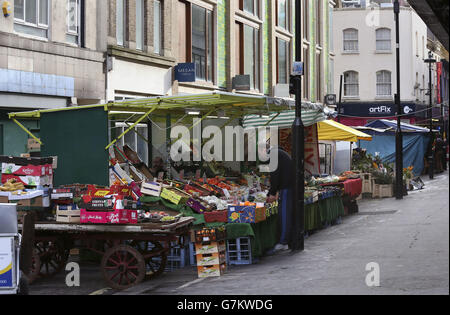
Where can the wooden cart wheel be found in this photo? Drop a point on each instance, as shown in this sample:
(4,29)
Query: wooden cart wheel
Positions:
(123,267)
(52,258)
(155,256)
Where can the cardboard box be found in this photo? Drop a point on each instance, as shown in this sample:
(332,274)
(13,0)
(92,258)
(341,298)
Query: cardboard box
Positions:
(175,195)
(28,170)
(211,259)
(111,217)
(246,214)
(211,271)
(33,202)
(24,161)
(33,145)
(214,247)
(46,180)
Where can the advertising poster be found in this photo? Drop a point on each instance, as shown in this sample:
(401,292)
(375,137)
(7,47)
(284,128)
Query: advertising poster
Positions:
(6,262)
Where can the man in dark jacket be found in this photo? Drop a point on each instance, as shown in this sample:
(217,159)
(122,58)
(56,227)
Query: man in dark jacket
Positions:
(281,188)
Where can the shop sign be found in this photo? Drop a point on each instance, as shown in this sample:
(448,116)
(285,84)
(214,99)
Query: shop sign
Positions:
(185,72)
(241,82)
(376,110)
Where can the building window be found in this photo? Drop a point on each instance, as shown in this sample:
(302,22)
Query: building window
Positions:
(351,84)
(202,42)
(250,6)
(283,14)
(248,55)
(157,27)
(140,24)
(319,78)
(74,23)
(384,84)
(305,16)
(282,61)
(196,43)
(351,40)
(319,22)
(306,81)
(31,17)
(417,44)
(120,22)
(330,28)
(383,36)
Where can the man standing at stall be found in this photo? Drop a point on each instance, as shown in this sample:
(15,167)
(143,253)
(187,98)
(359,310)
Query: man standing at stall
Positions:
(281,188)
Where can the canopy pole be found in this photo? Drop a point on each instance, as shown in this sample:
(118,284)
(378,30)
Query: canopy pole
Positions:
(134,125)
(270,121)
(27,131)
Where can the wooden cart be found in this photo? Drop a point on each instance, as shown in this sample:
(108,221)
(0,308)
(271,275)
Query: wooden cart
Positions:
(130,253)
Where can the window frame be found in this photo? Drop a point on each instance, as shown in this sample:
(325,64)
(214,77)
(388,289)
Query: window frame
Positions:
(288,58)
(158,28)
(124,24)
(379,84)
(79,20)
(288,26)
(382,40)
(38,23)
(356,83)
(256,5)
(257,86)
(350,40)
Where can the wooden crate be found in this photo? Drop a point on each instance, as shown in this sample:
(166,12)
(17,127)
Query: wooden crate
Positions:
(382,191)
(151,189)
(68,216)
(367,184)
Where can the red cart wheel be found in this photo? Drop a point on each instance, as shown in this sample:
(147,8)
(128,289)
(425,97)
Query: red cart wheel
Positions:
(155,256)
(52,258)
(123,267)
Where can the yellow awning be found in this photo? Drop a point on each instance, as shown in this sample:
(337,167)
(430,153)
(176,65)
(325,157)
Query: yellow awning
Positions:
(334,131)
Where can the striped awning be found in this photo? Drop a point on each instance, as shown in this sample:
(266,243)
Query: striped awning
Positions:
(310,116)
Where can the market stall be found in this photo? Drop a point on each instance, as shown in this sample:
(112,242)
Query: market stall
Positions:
(415,143)
(116,186)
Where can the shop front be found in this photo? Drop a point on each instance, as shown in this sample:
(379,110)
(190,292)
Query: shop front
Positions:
(362,113)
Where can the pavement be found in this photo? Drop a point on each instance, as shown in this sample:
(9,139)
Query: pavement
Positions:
(407,239)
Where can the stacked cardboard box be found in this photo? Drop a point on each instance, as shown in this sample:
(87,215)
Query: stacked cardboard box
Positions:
(32,172)
(211,252)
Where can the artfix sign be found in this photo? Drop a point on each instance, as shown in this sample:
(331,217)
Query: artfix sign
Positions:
(381,110)
(376,110)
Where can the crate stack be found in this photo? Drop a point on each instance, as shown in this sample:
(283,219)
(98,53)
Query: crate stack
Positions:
(63,202)
(33,173)
(211,252)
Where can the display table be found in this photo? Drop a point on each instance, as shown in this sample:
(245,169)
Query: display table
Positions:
(352,189)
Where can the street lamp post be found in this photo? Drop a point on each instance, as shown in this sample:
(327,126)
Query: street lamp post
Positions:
(398,133)
(298,146)
(430,61)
